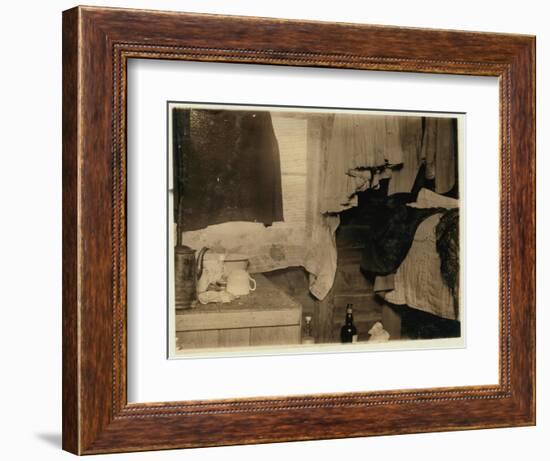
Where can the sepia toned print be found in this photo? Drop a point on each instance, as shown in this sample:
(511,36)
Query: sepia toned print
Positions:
(309,229)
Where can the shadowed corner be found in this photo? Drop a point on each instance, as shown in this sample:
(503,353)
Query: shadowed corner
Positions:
(51,438)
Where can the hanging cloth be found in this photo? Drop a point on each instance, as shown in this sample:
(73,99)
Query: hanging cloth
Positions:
(361,150)
(439,149)
(227,167)
(411,146)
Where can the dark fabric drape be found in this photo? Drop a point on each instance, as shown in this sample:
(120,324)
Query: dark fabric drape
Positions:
(388,237)
(448,248)
(227,166)
(384,226)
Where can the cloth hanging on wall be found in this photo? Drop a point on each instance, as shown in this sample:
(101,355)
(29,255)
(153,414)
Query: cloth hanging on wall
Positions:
(439,149)
(321,254)
(227,167)
(361,150)
(411,144)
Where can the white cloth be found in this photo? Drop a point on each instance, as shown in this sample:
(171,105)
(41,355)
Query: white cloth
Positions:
(322,257)
(429,199)
(418,282)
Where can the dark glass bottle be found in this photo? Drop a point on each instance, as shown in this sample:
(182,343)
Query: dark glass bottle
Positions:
(348,333)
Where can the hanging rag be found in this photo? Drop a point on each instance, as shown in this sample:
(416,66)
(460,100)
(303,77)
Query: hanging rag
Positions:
(439,149)
(361,150)
(411,130)
(226,167)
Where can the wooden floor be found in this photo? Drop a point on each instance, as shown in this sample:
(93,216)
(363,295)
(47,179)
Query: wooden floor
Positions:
(350,286)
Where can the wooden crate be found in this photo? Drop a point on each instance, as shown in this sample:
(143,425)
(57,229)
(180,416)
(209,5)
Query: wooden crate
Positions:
(267,316)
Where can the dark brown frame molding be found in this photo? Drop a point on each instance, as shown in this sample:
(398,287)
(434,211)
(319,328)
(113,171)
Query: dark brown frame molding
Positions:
(97,43)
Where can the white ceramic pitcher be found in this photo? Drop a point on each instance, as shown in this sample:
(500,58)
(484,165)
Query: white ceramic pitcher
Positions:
(239,283)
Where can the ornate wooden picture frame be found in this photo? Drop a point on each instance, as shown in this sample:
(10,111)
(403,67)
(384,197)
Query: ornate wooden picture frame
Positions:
(97,44)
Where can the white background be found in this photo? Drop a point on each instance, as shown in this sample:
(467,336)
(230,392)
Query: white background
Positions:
(153,378)
(30,243)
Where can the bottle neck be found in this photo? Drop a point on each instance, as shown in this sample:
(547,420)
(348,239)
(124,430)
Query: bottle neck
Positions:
(349,317)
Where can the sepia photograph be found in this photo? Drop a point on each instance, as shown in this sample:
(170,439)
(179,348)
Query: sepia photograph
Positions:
(312,229)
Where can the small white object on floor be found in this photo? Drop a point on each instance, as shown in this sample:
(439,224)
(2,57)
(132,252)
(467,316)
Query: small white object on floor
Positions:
(378,334)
